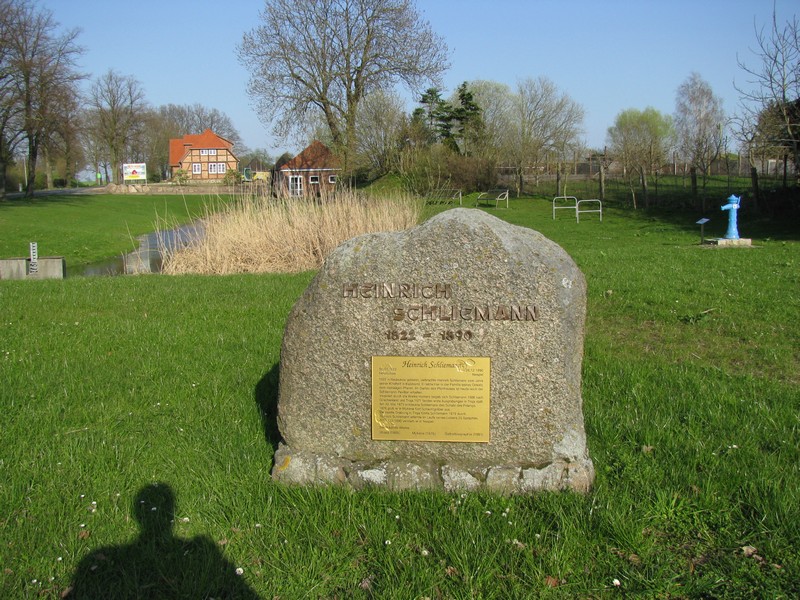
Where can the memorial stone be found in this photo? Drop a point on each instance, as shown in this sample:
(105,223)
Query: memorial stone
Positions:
(445,356)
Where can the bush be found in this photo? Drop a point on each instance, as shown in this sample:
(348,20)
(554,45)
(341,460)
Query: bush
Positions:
(232,177)
(425,171)
(181,177)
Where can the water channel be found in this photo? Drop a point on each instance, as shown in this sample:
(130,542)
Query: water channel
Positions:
(147,258)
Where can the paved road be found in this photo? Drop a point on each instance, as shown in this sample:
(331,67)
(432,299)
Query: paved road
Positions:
(60,192)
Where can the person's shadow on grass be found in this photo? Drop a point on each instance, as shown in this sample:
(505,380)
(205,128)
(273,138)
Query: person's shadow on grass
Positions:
(158,564)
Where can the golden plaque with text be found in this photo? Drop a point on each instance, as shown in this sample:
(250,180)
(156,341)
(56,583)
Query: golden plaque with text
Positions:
(432,399)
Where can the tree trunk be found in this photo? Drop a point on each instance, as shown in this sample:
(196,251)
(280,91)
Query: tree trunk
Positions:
(643,177)
(33,153)
(558,180)
(693,176)
(48,170)
(602,182)
(3,167)
(754,184)
(785,168)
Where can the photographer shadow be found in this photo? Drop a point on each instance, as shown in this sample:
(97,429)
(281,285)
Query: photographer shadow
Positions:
(157,564)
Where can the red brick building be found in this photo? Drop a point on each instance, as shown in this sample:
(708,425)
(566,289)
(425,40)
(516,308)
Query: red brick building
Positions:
(313,172)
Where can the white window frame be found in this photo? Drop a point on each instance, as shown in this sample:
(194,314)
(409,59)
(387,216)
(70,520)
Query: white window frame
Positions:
(212,168)
(295,185)
(212,152)
(222,168)
(331,178)
(203,152)
(313,179)
(197,169)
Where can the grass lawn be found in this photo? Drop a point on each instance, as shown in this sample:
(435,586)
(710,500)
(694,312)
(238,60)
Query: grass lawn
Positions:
(87,228)
(691,398)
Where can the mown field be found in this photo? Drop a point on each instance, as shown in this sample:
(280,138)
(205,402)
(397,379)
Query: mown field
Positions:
(691,398)
(89,228)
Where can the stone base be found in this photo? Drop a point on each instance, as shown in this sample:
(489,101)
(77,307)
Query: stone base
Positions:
(305,468)
(50,267)
(730,243)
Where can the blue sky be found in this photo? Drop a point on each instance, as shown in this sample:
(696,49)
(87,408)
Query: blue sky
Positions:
(608,55)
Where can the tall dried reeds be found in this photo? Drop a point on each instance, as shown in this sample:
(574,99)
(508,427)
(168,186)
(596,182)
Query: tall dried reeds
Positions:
(259,234)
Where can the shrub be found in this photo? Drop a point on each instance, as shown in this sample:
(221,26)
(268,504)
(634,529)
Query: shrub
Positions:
(181,177)
(232,177)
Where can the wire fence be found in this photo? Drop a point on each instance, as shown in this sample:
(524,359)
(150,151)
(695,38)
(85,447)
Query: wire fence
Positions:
(662,190)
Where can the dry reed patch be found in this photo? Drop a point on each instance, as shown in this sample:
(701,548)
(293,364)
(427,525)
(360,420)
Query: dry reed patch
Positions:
(267,235)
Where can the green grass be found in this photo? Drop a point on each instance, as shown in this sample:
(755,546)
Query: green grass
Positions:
(87,228)
(691,400)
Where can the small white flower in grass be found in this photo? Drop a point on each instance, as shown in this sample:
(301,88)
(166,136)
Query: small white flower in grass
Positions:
(239,571)
(59,559)
(488,513)
(258,525)
(83,524)
(616,582)
(388,542)
(397,517)
(424,552)
(34,581)
(185,519)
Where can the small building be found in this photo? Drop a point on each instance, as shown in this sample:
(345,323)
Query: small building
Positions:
(313,172)
(203,157)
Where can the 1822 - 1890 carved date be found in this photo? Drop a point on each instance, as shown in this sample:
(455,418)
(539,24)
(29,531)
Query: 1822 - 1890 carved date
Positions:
(409,335)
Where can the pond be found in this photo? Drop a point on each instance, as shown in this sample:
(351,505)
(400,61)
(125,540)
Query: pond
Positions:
(147,258)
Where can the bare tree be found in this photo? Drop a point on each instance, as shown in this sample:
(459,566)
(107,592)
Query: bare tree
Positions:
(640,140)
(495,100)
(770,100)
(381,119)
(196,118)
(11,131)
(118,104)
(325,56)
(62,153)
(38,79)
(542,120)
(699,126)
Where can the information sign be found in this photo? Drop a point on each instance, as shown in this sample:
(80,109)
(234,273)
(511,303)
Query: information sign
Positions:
(432,399)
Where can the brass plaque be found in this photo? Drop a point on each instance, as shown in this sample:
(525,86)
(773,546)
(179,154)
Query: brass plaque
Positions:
(432,399)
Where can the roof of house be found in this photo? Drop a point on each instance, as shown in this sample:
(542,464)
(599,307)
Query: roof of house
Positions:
(315,156)
(179,147)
